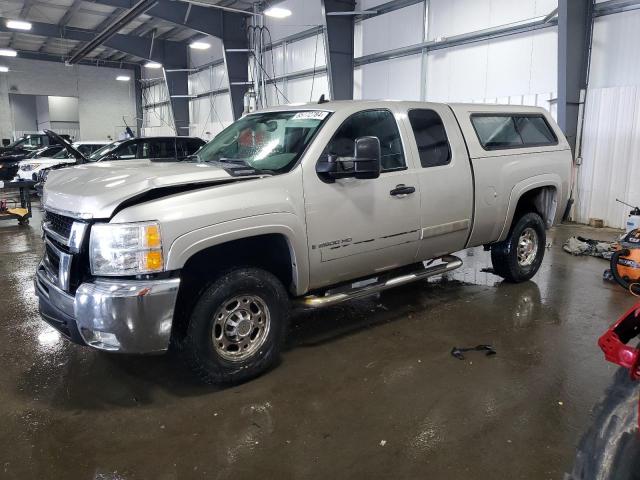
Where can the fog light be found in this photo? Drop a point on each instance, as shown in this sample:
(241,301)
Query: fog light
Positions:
(101,340)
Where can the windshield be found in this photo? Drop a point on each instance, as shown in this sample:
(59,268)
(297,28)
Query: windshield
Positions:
(28,142)
(270,141)
(62,154)
(106,150)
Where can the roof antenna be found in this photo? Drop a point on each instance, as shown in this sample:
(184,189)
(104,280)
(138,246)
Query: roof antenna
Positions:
(322,100)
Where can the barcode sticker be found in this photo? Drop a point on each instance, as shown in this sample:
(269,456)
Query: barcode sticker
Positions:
(312,115)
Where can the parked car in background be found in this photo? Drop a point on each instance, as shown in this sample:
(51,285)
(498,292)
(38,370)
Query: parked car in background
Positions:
(157,149)
(23,147)
(151,148)
(29,168)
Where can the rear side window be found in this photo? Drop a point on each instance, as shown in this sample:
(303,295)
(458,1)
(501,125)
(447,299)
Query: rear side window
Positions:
(497,132)
(159,148)
(431,138)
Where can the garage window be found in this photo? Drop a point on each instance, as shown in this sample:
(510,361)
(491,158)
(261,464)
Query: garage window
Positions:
(431,138)
(501,131)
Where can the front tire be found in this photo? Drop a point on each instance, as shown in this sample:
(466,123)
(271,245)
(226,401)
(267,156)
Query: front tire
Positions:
(519,257)
(237,327)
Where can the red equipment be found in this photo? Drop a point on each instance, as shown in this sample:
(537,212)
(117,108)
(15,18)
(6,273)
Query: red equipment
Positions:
(614,343)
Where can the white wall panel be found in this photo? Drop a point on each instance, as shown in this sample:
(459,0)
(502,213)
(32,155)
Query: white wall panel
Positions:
(615,44)
(454,17)
(301,55)
(396,29)
(513,65)
(307,90)
(610,161)
(200,82)
(397,79)
(210,115)
(102,100)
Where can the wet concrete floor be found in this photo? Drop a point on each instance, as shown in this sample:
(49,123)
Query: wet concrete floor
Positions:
(365,390)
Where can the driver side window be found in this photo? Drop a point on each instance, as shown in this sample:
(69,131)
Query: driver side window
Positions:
(127,152)
(376,123)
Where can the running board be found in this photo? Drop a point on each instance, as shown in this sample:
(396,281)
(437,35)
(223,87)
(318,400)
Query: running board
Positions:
(331,297)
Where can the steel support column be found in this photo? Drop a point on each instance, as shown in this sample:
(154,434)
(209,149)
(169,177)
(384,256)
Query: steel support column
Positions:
(137,75)
(339,47)
(174,59)
(234,37)
(230,27)
(574,29)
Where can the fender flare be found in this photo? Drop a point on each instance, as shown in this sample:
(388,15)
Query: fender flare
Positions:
(285,224)
(524,186)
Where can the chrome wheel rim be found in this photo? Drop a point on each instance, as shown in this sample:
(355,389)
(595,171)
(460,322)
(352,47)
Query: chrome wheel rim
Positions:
(240,327)
(527,247)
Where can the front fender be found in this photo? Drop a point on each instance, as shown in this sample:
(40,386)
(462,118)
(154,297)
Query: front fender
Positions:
(531,183)
(286,224)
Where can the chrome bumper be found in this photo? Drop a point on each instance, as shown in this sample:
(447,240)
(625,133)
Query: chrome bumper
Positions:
(128,316)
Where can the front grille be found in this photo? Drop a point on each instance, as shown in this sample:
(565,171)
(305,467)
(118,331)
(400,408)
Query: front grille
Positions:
(65,255)
(59,223)
(52,258)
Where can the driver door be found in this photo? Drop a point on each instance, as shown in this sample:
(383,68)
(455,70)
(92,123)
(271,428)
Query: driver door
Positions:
(359,227)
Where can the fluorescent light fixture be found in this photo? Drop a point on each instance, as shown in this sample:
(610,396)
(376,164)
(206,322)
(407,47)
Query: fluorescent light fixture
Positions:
(277,12)
(200,45)
(153,65)
(18,25)
(7,52)
(123,78)
(4,69)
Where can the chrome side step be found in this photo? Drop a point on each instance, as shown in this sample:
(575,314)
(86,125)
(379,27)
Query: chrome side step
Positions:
(331,297)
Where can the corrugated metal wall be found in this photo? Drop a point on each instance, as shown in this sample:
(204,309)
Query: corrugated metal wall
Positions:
(611,137)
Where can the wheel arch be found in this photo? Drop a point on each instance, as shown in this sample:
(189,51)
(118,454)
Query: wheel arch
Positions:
(540,194)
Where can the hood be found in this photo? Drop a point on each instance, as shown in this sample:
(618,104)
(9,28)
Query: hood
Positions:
(96,190)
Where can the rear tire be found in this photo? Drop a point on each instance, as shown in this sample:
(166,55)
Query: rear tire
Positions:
(237,328)
(519,256)
(610,450)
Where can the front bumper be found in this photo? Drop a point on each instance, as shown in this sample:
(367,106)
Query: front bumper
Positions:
(127,316)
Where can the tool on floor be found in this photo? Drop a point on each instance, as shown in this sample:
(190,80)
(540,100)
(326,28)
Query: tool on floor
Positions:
(459,352)
(633,221)
(625,262)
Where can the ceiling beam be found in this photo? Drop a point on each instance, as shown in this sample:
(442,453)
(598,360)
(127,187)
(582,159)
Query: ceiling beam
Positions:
(73,9)
(47,57)
(132,45)
(109,32)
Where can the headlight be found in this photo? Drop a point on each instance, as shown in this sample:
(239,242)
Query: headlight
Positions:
(125,248)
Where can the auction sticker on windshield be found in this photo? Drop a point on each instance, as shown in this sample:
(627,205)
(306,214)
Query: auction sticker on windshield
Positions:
(312,115)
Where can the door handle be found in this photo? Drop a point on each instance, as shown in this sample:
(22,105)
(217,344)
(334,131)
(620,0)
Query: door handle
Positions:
(402,189)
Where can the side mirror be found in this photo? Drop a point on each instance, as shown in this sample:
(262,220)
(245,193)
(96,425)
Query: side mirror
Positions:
(365,163)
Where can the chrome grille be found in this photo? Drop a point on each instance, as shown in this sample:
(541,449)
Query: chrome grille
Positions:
(59,223)
(63,238)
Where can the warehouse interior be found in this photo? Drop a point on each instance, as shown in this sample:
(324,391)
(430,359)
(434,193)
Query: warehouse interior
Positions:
(383,384)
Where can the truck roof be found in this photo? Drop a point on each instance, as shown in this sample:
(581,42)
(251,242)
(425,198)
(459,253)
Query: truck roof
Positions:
(337,105)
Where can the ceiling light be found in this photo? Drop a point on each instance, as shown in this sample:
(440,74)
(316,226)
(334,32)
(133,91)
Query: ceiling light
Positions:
(153,65)
(200,45)
(277,12)
(4,69)
(18,25)
(7,52)
(123,78)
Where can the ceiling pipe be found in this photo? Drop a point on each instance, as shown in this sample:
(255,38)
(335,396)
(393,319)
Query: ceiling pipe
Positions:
(122,21)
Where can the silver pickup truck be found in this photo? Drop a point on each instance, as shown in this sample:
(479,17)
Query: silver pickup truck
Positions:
(308,205)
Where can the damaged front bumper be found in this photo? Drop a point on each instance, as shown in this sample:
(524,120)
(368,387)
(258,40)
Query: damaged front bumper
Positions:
(127,316)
